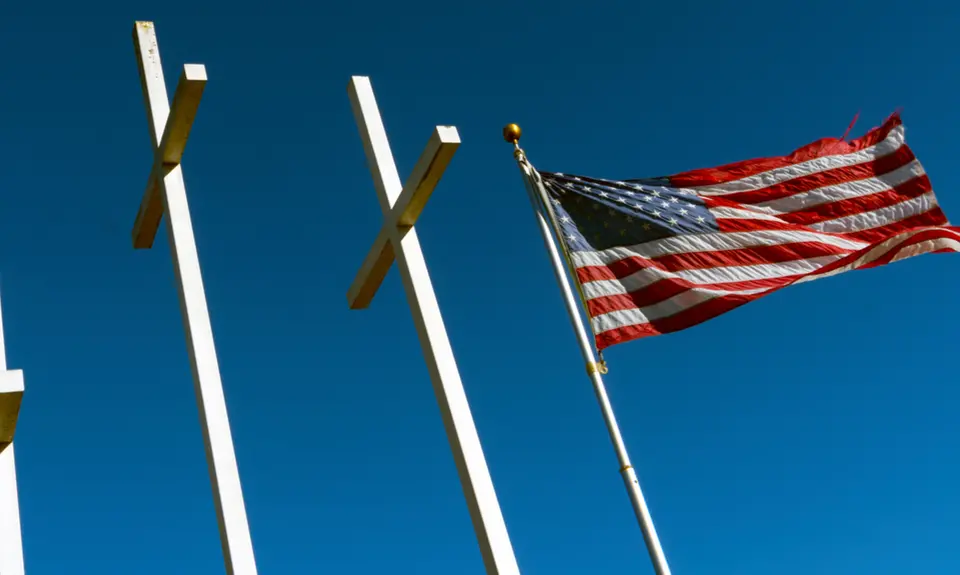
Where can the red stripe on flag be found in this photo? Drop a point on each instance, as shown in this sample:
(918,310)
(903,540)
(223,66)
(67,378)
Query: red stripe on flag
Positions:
(687,318)
(731,225)
(668,288)
(817,149)
(748,256)
(931,217)
(705,260)
(722,304)
(878,167)
(920,237)
(626,333)
(857,205)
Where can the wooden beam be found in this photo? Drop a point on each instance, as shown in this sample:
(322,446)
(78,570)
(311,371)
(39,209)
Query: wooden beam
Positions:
(409,204)
(11,394)
(176,131)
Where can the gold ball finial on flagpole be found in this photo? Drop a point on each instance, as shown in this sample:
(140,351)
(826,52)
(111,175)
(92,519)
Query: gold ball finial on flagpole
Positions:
(511,133)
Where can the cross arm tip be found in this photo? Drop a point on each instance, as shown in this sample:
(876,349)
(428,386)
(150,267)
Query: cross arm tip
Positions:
(357,81)
(448,134)
(372,272)
(142,30)
(354,301)
(363,289)
(11,381)
(195,72)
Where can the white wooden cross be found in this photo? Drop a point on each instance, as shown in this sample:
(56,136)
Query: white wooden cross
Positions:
(401,205)
(11,391)
(169,128)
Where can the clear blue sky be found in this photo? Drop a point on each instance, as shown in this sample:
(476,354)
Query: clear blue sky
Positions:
(813,431)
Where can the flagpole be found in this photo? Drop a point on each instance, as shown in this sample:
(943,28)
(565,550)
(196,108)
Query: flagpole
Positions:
(544,214)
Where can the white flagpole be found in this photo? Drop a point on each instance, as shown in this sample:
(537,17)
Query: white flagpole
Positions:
(544,213)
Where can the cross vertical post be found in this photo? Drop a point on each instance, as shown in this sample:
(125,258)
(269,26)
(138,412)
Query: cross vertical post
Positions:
(401,205)
(166,195)
(11,392)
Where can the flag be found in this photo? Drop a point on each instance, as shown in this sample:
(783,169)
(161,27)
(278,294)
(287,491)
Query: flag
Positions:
(653,256)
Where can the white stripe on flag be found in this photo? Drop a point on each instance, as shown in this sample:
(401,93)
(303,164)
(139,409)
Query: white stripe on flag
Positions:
(844,191)
(715,242)
(879,217)
(666,308)
(889,145)
(706,276)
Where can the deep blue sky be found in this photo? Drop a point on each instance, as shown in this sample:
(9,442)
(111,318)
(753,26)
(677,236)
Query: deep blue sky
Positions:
(813,431)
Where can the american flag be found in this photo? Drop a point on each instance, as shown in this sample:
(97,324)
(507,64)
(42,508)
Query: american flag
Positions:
(655,256)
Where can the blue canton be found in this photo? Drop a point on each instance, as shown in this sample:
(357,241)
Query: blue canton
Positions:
(597,214)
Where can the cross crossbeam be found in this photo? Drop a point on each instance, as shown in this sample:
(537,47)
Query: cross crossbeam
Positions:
(166,194)
(397,240)
(404,213)
(167,155)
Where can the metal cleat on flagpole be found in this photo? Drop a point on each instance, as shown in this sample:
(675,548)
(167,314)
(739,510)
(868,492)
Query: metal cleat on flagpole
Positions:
(595,370)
